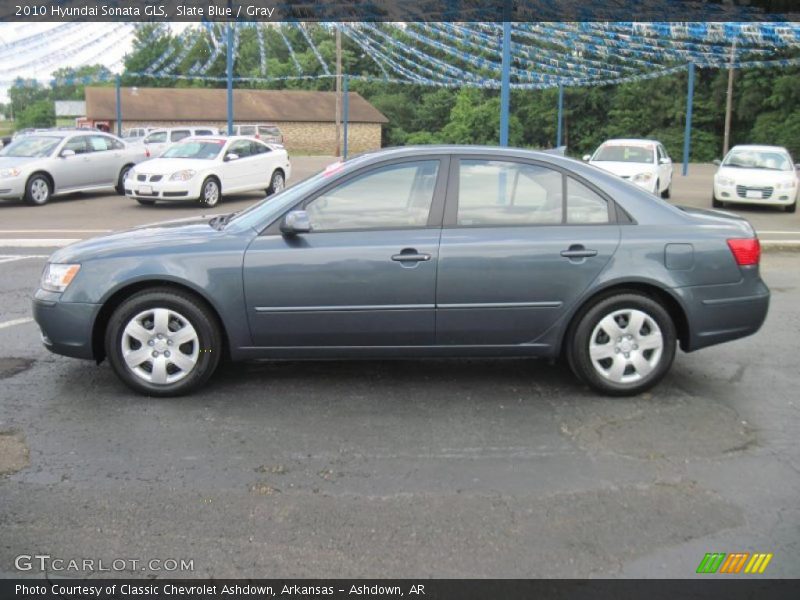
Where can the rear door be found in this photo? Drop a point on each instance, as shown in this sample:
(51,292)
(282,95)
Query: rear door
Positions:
(521,242)
(365,276)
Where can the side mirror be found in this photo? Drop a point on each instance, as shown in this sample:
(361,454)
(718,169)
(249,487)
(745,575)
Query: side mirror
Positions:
(717,161)
(665,161)
(231,156)
(797,166)
(296,222)
(587,157)
(67,153)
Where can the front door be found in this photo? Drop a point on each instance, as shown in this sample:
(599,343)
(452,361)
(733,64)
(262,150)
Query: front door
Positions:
(514,255)
(365,276)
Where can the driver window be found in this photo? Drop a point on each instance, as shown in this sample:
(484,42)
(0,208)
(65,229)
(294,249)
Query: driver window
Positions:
(77,145)
(492,193)
(399,195)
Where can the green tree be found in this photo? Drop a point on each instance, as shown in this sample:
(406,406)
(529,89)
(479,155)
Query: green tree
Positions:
(38,114)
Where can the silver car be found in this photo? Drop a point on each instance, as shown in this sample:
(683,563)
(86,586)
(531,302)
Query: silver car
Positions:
(38,166)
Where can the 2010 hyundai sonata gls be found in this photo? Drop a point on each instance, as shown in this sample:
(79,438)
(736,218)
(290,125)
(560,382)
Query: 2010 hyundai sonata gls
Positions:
(414,252)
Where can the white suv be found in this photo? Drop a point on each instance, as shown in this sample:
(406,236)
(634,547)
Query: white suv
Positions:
(159,140)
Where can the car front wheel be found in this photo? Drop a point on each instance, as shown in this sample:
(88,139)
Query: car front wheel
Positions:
(163,342)
(37,190)
(209,192)
(623,344)
(276,183)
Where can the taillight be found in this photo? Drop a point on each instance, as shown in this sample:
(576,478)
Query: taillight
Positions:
(746,251)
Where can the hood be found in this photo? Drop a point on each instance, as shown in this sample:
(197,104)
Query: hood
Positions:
(6,162)
(157,238)
(756,177)
(168,166)
(624,169)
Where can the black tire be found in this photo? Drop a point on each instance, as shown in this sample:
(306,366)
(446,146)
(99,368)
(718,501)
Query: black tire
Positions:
(38,190)
(277,182)
(580,337)
(716,203)
(667,192)
(190,309)
(207,197)
(144,202)
(121,179)
(791,208)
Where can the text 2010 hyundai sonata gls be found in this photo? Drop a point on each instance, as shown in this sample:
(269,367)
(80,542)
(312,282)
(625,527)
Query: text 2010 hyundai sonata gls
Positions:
(414,252)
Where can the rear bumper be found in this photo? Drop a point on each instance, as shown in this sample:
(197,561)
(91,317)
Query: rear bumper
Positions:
(721,313)
(66,326)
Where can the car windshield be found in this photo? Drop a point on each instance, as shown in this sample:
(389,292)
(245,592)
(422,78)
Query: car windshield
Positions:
(625,153)
(758,159)
(205,150)
(31,146)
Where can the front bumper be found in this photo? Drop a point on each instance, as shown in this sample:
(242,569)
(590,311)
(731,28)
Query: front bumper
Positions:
(66,326)
(721,313)
(12,187)
(162,190)
(766,196)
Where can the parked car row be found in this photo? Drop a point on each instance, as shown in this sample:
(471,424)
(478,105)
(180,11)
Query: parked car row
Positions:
(156,135)
(41,165)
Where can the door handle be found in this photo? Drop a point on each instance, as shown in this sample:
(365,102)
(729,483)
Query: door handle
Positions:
(578,251)
(411,255)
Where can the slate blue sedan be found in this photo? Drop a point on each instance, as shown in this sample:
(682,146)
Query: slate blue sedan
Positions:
(439,251)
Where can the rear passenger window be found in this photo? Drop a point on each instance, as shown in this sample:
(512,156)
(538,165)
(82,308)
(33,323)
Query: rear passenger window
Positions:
(495,193)
(584,205)
(180,134)
(99,143)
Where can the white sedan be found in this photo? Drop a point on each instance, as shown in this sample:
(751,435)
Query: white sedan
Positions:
(762,175)
(643,162)
(202,169)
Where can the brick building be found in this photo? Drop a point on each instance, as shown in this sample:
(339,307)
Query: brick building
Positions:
(306,118)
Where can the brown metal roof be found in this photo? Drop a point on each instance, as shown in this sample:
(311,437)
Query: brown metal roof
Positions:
(203,104)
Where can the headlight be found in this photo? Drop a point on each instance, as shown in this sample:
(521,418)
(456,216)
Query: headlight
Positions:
(722,180)
(183,175)
(56,277)
(9,172)
(642,177)
(786,185)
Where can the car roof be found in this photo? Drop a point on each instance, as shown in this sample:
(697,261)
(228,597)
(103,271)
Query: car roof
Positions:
(631,141)
(759,147)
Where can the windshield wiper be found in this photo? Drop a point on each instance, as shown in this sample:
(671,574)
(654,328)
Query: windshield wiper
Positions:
(220,221)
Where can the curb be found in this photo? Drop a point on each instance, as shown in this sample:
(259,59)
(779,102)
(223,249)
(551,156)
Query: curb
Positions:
(780,245)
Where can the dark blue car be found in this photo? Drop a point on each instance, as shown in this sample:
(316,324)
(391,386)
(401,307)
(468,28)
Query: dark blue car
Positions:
(414,252)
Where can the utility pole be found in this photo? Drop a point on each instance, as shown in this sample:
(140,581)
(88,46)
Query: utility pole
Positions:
(338,90)
(729,101)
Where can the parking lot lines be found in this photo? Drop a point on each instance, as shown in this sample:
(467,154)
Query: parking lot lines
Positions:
(13,322)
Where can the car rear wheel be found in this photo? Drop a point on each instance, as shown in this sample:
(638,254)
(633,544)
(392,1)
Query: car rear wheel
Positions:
(209,192)
(37,190)
(123,175)
(277,183)
(163,342)
(623,344)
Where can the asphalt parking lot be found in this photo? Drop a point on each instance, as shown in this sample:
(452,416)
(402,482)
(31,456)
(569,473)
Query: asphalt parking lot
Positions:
(395,469)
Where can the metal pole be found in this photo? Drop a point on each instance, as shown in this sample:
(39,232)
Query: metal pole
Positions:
(338,90)
(687,134)
(118,91)
(229,57)
(345,111)
(505,84)
(729,102)
(560,113)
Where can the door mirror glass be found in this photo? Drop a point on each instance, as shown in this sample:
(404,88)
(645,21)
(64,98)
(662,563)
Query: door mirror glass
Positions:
(231,156)
(66,153)
(587,157)
(296,222)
